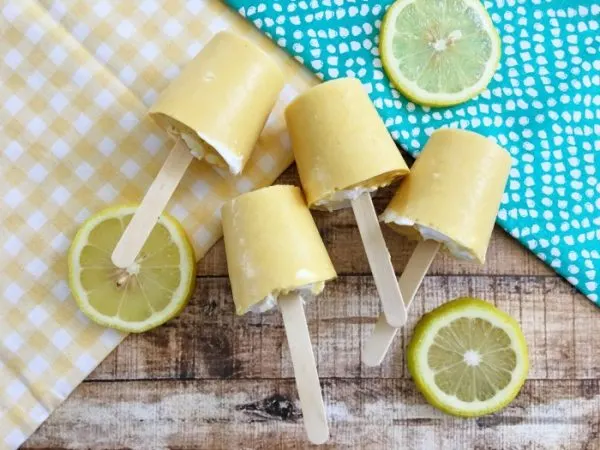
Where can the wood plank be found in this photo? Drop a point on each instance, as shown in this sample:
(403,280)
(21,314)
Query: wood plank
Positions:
(340,234)
(208,341)
(369,414)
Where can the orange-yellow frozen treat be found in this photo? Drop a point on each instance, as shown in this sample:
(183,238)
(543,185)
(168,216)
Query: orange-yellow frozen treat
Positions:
(452,193)
(273,247)
(220,102)
(340,143)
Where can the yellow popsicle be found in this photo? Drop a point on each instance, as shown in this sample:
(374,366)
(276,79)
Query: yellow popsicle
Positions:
(215,109)
(273,247)
(221,100)
(340,143)
(452,193)
(449,199)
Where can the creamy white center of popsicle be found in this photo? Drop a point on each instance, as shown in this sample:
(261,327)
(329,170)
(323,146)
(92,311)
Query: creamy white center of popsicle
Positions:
(428,233)
(270,301)
(213,152)
(193,145)
(234,161)
(343,198)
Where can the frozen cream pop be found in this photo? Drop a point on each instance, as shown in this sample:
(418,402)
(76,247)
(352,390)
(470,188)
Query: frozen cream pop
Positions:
(450,199)
(343,153)
(274,255)
(215,109)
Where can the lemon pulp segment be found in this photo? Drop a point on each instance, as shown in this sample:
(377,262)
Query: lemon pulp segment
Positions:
(146,294)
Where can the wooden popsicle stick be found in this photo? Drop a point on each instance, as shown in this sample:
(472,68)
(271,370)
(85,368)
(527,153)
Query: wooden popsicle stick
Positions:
(305,368)
(152,206)
(379,342)
(380,261)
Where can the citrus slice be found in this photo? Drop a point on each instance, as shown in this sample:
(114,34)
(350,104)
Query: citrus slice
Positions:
(468,358)
(439,52)
(145,295)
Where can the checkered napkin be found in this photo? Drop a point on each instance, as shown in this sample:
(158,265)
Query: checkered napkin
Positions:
(76,81)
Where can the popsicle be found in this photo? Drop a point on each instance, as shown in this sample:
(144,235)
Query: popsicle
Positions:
(343,153)
(215,109)
(274,256)
(450,199)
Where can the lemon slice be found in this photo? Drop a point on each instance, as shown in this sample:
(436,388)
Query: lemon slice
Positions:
(145,295)
(439,52)
(468,358)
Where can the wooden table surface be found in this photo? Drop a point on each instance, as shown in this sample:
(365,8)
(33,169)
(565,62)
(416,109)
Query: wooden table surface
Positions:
(211,380)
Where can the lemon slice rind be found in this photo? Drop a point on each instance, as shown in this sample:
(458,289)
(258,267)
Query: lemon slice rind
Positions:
(424,336)
(180,295)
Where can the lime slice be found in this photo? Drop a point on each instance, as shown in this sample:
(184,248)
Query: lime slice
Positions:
(439,52)
(468,358)
(143,296)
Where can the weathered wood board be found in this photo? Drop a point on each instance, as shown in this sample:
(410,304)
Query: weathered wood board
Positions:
(212,380)
(363,413)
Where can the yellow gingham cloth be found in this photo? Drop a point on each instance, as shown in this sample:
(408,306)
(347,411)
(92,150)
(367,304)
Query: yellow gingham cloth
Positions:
(76,81)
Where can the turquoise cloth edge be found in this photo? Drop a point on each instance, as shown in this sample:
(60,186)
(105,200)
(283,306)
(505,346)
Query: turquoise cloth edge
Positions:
(543,106)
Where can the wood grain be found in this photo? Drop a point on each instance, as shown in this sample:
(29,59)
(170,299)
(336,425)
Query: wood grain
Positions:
(363,413)
(211,380)
(209,341)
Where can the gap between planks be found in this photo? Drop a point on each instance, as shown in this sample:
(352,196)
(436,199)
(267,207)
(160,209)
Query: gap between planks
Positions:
(291,378)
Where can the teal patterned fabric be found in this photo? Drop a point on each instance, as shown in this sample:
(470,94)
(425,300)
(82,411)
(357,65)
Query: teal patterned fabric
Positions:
(543,105)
